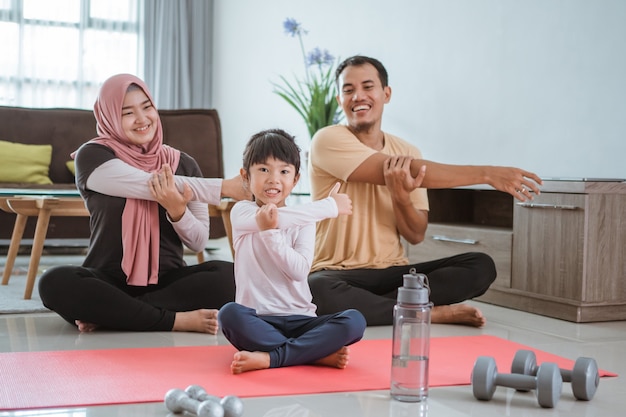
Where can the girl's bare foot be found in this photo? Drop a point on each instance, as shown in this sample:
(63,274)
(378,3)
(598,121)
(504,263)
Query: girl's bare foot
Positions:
(83,326)
(201,321)
(245,361)
(458,314)
(338,359)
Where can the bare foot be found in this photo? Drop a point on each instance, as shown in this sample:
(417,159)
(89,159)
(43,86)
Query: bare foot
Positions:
(83,326)
(201,321)
(338,359)
(458,314)
(245,361)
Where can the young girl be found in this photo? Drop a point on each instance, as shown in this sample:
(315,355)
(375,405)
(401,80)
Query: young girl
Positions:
(272,321)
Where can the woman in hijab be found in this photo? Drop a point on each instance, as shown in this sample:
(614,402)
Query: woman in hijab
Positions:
(134,276)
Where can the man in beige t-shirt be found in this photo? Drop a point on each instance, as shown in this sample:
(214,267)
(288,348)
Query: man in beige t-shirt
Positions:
(359,260)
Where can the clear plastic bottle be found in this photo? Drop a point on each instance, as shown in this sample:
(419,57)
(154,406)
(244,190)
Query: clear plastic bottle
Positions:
(411,339)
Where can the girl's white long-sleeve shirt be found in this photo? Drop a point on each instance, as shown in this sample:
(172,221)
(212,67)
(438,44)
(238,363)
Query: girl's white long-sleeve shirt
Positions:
(272,266)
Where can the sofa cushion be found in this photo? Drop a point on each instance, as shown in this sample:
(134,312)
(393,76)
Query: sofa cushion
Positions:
(70,165)
(23,163)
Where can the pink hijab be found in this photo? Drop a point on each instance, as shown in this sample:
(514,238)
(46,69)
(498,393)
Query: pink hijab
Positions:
(140,219)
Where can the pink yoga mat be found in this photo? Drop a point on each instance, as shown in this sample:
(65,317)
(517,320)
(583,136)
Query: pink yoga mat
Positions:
(121,376)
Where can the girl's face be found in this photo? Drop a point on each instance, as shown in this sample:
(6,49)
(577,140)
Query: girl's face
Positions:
(271,181)
(139,117)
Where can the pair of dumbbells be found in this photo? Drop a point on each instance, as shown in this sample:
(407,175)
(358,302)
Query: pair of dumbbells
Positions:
(232,405)
(197,401)
(584,377)
(546,379)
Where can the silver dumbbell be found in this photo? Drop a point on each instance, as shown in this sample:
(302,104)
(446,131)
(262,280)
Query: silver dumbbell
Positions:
(584,377)
(547,383)
(198,393)
(177,401)
(233,406)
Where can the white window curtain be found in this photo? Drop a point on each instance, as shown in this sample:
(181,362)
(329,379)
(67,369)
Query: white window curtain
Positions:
(178,48)
(56,53)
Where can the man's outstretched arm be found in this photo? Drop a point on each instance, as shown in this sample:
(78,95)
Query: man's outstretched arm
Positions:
(515,181)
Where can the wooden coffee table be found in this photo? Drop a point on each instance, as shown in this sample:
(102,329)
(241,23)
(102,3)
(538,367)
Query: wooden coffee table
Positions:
(43,207)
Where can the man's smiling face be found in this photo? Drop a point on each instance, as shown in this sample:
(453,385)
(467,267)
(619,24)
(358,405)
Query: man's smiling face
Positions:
(362,96)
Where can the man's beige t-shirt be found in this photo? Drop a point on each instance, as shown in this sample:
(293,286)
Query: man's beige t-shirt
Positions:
(369,237)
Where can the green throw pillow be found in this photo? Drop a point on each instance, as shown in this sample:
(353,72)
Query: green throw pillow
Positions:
(71,167)
(25,163)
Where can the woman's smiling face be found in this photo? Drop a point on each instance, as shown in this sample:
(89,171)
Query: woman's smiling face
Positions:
(139,117)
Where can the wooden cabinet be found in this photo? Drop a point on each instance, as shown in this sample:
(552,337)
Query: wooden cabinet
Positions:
(468,220)
(562,255)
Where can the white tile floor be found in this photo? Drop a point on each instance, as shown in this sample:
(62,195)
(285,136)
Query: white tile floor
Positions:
(604,341)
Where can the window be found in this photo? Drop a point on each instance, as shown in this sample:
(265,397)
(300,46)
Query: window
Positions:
(56,53)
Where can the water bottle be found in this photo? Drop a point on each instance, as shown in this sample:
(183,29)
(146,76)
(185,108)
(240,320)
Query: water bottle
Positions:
(411,339)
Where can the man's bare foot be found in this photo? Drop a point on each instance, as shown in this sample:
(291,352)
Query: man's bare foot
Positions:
(338,359)
(83,326)
(201,321)
(245,361)
(458,314)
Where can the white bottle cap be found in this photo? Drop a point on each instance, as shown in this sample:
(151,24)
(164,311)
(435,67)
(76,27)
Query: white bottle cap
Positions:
(415,289)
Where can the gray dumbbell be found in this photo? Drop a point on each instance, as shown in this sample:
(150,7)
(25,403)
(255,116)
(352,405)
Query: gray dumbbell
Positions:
(233,406)
(547,383)
(177,401)
(584,377)
(198,393)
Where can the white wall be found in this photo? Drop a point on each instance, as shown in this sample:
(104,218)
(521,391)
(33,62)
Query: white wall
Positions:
(539,84)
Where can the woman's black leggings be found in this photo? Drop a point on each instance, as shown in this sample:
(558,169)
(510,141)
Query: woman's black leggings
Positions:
(92,296)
